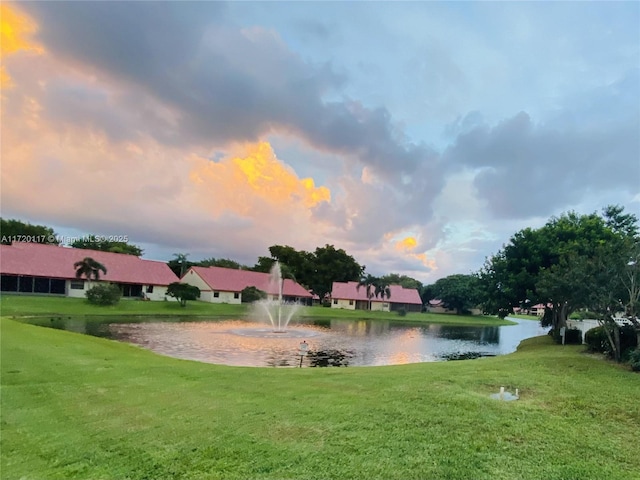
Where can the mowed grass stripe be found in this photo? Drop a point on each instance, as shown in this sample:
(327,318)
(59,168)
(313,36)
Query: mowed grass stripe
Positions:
(75,406)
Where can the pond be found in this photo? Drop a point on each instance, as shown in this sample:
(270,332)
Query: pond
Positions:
(330,342)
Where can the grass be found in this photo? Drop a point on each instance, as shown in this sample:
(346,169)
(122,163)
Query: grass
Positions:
(23,305)
(81,407)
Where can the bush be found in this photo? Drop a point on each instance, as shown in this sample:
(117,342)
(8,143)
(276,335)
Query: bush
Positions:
(183,292)
(597,340)
(252,294)
(402,312)
(572,336)
(104,294)
(634,360)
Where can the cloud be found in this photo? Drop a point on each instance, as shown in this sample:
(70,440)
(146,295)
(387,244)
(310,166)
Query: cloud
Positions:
(226,83)
(526,168)
(15,28)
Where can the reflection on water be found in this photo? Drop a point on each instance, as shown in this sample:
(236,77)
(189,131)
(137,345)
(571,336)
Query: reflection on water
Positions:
(331,342)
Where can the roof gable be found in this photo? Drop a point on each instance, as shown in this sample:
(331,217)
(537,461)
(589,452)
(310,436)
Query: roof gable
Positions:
(233,280)
(44,260)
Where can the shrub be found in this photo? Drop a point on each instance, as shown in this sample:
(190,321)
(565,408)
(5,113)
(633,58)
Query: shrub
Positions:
(183,292)
(104,294)
(572,336)
(402,311)
(634,360)
(582,315)
(598,341)
(252,294)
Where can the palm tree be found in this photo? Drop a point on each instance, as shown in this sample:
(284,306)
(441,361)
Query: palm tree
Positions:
(382,289)
(369,282)
(88,267)
(181,258)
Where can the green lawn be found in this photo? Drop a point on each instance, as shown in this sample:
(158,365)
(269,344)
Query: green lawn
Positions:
(23,305)
(81,407)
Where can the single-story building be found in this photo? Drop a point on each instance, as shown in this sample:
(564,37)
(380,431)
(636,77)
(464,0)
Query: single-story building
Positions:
(36,268)
(347,295)
(225,285)
(437,306)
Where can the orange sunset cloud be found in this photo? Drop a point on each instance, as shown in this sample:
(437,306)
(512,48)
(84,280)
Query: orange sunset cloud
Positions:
(15,27)
(256,175)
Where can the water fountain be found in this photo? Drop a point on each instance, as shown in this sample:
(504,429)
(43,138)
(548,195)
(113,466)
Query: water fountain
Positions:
(277,310)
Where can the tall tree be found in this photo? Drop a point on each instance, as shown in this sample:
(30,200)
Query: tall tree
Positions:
(222,262)
(89,268)
(402,280)
(179,264)
(458,292)
(316,270)
(545,265)
(332,265)
(102,244)
(368,282)
(16,230)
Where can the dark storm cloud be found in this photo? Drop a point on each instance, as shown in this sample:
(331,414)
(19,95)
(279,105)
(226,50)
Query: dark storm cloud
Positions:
(226,83)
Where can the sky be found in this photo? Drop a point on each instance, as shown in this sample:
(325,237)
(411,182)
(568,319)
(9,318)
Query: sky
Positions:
(417,136)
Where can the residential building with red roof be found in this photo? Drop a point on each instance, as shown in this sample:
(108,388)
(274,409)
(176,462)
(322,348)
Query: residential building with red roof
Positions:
(225,285)
(347,295)
(437,306)
(49,269)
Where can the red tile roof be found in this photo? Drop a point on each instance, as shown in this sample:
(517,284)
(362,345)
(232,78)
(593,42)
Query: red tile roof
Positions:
(43,260)
(350,291)
(232,280)
(399,294)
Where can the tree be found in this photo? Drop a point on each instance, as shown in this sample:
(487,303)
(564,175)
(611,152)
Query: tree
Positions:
(252,294)
(316,270)
(179,264)
(369,283)
(16,230)
(402,280)
(183,292)
(102,244)
(458,292)
(330,265)
(377,287)
(222,262)
(89,268)
(551,265)
(107,294)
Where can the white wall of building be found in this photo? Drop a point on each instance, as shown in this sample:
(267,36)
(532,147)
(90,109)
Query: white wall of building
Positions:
(77,292)
(159,292)
(344,304)
(380,306)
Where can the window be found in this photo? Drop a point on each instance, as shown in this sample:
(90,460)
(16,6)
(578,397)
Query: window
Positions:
(350,302)
(57,286)
(76,285)
(216,294)
(25,284)
(335,301)
(149,288)
(41,285)
(131,290)
(236,295)
(9,283)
